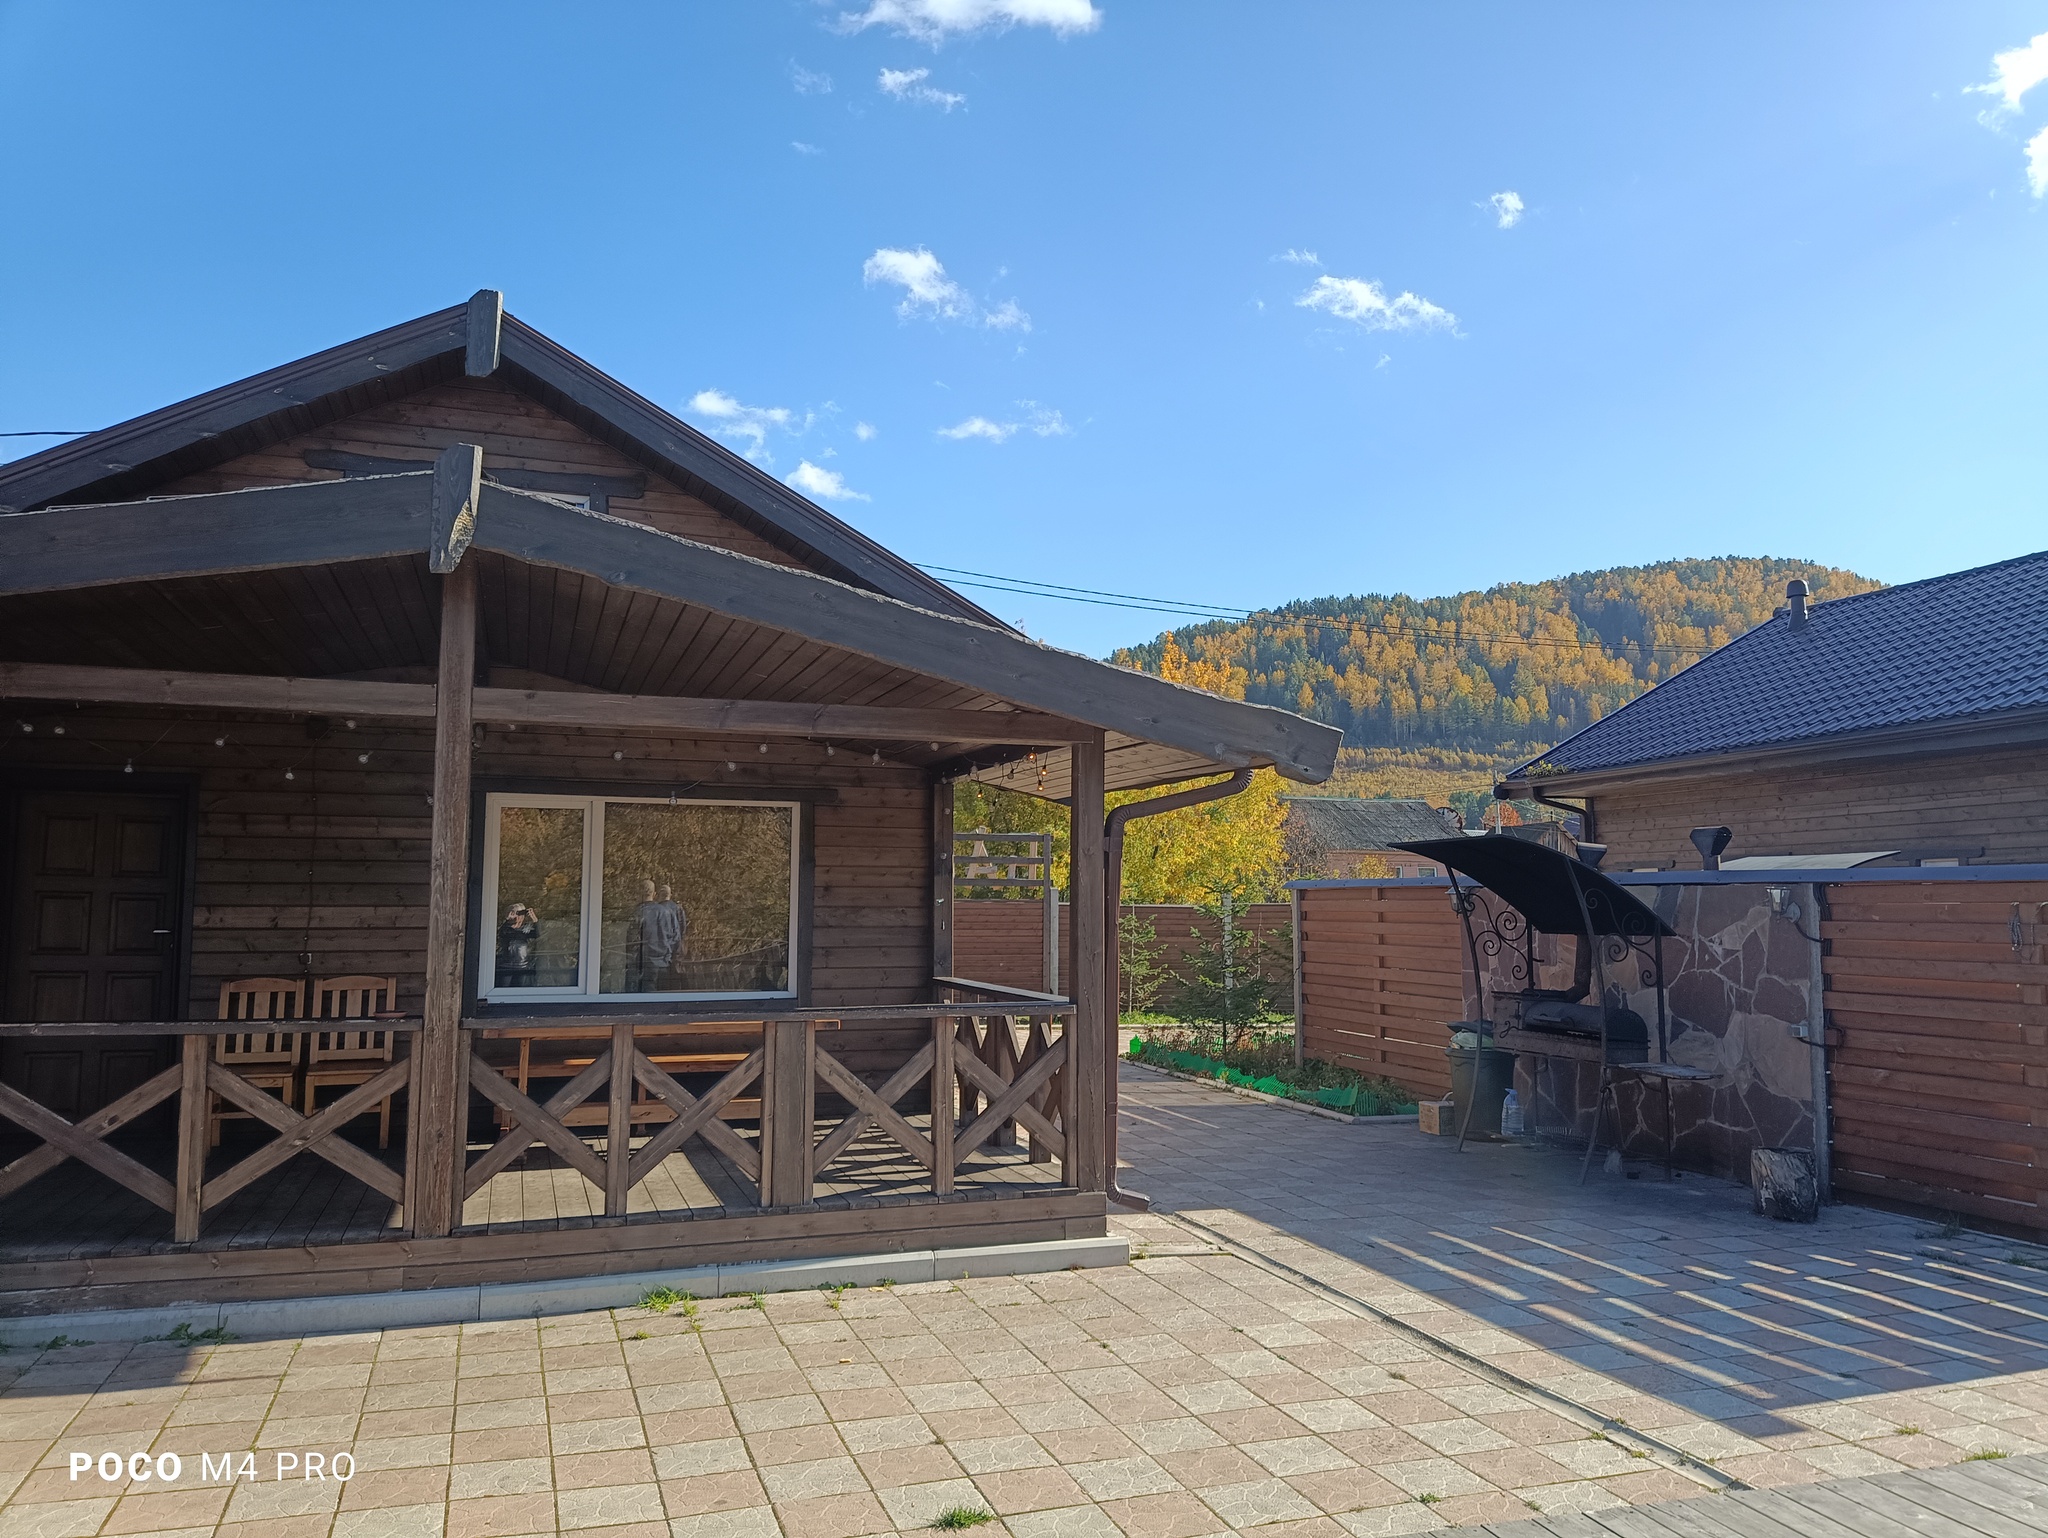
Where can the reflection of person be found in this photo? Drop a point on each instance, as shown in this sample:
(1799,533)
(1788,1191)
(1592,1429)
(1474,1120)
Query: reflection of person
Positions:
(652,943)
(518,936)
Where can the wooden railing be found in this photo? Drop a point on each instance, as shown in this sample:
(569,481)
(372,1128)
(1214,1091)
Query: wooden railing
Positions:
(188,1194)
(991,1065)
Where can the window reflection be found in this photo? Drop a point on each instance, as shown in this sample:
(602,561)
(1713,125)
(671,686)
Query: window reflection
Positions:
(540,897)
(695,898)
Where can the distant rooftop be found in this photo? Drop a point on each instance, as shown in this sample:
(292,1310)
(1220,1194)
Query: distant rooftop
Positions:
(1354,822)
(1945,650)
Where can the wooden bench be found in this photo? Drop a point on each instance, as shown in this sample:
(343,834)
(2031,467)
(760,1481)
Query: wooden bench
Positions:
(646,1110)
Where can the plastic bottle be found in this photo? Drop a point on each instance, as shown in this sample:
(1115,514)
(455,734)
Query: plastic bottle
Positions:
(1511,1116)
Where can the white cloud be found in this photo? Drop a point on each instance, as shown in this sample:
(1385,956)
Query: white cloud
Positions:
(1299,258)
(826,485)
(750,425)
(928,291)
(1044,421)
(1365,302)
(979,427)
(926,288)
(2016,72)
(1007,317)
(909,85)
(2037,163)
(804,149)
(864,431)
(933,21)
(1507,206)
(809,82)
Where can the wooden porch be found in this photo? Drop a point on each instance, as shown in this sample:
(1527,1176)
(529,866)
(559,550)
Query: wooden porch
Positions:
(975,1116)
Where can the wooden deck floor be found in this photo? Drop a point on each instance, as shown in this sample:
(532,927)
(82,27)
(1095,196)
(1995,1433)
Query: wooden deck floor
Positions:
(2002,1498)
(75,1212)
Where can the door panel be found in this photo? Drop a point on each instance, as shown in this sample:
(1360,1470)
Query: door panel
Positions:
(93,934)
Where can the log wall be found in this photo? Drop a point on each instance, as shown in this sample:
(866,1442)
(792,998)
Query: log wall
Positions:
(304,851)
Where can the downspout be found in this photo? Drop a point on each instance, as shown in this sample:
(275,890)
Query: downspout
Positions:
(1583,813)
(1113,894)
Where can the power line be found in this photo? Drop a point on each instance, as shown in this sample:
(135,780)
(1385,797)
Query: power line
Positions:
(1032,588)
(80,433)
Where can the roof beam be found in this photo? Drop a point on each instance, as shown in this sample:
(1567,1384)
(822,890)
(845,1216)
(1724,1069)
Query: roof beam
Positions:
(217,533)
(484,325)
(531,707)
(998,662)
(458,476)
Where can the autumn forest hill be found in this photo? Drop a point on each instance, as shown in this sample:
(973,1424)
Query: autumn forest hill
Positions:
(1495,676)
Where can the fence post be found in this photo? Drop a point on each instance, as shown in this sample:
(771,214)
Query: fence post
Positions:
(192,1139)
(1300,1027)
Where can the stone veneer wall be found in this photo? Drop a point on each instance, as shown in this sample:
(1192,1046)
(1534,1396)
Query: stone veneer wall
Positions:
(1741,981)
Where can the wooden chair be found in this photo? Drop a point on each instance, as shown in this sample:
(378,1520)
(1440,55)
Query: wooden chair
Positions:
(267,1059)
(351,1057)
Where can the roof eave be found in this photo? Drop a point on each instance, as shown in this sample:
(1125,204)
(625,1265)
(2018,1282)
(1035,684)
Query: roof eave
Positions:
(1921,739)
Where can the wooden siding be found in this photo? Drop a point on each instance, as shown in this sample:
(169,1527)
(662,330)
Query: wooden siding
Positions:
(1997,802)
(1938,1046)
(1382,970)
(332,863)
(514,431)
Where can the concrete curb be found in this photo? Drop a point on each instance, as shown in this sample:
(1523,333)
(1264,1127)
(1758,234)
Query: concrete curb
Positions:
(352,1312)
(1252,1094)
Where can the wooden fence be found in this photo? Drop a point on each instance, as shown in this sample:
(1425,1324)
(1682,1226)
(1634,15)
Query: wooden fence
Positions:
(1936,993)
(1382,970)
(1001,942)
(1937,1007)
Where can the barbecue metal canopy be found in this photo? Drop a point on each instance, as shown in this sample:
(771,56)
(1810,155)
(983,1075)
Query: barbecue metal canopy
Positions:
(1539,882)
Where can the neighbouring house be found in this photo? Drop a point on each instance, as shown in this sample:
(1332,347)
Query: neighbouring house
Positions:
(453,806)
(1349,836)
(1903,726)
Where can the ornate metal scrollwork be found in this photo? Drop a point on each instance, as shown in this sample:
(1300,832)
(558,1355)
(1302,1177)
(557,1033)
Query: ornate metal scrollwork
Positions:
(1500,929)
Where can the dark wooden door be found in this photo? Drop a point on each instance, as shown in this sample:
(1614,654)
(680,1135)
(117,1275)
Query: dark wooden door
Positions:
(93,932)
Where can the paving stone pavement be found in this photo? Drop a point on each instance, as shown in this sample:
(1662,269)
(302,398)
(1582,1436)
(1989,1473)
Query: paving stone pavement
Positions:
(1192,1393)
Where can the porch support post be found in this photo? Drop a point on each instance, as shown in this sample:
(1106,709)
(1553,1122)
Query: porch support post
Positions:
(440,1087)
(788,1111)
(942,878)
(1088,1058)
(193,1104)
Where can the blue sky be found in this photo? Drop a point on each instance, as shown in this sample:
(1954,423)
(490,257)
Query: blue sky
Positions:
(1775,280)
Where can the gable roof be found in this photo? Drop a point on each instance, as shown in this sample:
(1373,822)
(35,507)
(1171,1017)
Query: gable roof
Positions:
(134,457)
(1894,668)
(1350,822)
(790,633)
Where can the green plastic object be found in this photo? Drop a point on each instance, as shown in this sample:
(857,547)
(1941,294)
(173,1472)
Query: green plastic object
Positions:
(1269,1086)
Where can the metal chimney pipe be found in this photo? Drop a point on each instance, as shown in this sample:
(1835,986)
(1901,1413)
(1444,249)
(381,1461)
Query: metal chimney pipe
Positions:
(1795,597)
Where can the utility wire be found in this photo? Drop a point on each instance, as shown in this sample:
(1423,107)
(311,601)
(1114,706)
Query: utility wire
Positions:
(80,433)
(1031,588)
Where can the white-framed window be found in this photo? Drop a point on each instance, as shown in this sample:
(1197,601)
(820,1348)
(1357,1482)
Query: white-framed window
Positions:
(637,898)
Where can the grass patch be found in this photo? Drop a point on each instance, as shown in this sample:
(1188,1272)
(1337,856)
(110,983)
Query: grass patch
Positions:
(185,1335)
(59,1342)
(1988,1455)
(659,1300)
(956,1517)
(754,1301)
(1264,1061)
(1906,1431)
(1427,1499)
(639,1335)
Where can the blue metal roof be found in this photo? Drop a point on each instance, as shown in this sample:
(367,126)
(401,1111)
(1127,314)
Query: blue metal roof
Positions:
(1969,644)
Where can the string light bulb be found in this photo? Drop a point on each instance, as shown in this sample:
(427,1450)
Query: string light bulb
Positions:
(362,758)
(618,755)
(828,750)
(878,755)
(289,775)
(129,767)
(731,766)
(58,730)
(764,747)
(220,742)
(27,727)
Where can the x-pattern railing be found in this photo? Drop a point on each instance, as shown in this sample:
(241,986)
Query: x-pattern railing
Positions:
(188,1194)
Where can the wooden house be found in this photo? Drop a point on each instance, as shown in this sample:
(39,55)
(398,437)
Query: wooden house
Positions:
(520,769)
(1352,836)
(1898,727)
